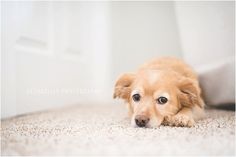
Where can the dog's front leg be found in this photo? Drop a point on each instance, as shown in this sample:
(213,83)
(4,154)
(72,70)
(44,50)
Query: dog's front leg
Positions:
(183,118)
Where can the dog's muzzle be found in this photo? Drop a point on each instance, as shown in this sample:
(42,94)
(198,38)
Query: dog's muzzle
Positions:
(141,120)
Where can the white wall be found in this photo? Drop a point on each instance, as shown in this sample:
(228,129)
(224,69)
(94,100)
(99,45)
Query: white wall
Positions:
(207,30)
(141,31)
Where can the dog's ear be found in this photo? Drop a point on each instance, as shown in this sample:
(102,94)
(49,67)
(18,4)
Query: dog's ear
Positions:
(189,93)
(122,87)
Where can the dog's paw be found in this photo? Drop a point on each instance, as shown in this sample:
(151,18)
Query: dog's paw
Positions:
(183,120)
(167,120)
(179,120)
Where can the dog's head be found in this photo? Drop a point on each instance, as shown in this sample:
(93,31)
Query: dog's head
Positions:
(153,94)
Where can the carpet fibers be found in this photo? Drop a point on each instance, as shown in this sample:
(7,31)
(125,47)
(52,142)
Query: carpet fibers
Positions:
(106,130)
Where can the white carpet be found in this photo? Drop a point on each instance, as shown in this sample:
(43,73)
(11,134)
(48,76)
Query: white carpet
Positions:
(106,130)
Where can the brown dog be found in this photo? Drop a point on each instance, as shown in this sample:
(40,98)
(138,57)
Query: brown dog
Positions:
(162,91)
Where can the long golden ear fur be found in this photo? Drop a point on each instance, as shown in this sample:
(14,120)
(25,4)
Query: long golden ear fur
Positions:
(122,87)
(190,92)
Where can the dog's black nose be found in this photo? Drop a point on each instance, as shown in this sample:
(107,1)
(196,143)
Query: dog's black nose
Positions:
(141,120)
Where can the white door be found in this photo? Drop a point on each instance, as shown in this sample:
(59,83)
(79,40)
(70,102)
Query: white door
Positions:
(53,54)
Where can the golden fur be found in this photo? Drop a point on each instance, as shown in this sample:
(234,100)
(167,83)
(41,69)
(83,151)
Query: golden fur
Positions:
(163,77)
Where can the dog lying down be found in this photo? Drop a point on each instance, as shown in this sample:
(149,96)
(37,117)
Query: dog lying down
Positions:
(163,91)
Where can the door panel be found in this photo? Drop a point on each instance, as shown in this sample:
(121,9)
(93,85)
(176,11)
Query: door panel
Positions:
(50,58)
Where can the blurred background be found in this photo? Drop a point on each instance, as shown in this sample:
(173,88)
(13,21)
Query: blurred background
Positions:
(63,53)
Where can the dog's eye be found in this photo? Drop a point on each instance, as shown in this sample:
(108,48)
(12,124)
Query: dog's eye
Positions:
(136,97)
(162,100)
